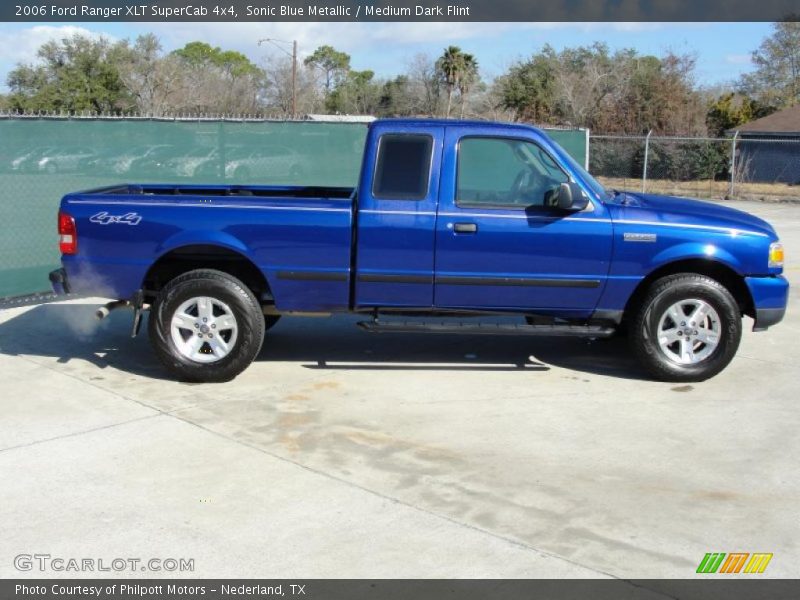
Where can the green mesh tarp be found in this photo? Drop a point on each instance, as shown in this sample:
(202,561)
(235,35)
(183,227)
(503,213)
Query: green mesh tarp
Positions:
(41,159)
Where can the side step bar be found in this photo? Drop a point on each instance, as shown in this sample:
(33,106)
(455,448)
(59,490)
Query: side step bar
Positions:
(591,331)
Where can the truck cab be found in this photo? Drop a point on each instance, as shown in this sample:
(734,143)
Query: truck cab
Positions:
(466,216)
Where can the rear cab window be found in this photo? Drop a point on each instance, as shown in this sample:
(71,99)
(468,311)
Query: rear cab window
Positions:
(403,167)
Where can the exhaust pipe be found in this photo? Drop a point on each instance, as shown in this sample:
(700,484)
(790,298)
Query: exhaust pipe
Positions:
(102,312)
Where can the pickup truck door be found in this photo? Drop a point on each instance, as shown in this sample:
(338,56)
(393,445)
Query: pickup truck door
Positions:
(498,245)
(396,216)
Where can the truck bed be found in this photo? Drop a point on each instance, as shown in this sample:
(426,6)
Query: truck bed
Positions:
(298,237)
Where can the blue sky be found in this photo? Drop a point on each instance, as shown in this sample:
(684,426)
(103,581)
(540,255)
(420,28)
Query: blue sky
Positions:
(722,49)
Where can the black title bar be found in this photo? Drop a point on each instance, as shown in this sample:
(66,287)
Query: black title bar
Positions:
(402,10)
(397,589)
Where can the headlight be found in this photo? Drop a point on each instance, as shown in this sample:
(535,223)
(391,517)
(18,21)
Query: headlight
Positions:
(775,255)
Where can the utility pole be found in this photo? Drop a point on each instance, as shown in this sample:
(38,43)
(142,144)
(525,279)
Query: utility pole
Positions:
(294,79)
(293,54)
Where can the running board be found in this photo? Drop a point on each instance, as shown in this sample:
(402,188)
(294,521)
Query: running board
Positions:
(590,331)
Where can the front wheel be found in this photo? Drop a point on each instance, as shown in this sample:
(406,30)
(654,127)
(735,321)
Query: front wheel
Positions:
(687,328)
(206,326)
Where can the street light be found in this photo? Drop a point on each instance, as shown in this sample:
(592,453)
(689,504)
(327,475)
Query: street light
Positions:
(293,54)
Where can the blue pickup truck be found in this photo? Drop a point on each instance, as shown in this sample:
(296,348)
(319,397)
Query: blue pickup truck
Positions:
(449,219)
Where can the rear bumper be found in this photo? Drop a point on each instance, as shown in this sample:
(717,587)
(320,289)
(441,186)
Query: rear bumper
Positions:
(59,282)
(770,296)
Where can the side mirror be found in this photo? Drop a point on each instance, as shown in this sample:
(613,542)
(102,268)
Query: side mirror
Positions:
(570,197)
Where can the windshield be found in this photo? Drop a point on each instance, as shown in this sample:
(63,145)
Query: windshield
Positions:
(598,190)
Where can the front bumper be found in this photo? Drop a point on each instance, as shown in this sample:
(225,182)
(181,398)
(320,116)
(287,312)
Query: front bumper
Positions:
(770,296)
(59,282)
(767,317)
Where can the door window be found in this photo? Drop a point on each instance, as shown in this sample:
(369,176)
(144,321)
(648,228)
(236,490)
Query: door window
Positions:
(506,173)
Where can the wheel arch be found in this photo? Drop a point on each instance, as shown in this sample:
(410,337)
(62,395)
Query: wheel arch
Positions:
(717,270)
(188,257)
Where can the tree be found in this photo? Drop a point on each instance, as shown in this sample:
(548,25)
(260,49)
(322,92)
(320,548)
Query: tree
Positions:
(528,89)
(424,85)
(356,94)
(469,76)
(396,99)
(333,63)
(153,80)
(776,80)
(77,73)
(588,86)
(586,79)
(216,80)
(730,110)
(278,88)
(660,96)
(487,101)
(200,54)
(451,69)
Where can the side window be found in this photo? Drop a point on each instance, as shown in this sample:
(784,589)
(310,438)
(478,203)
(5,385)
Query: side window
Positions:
(506,173)
(403,167)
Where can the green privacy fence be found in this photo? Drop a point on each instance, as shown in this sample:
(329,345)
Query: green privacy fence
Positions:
(574,141)
(41,159)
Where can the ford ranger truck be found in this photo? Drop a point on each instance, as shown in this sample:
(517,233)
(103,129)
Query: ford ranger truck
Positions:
(449,219)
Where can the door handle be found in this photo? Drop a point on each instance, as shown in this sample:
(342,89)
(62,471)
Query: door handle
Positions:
(465,228)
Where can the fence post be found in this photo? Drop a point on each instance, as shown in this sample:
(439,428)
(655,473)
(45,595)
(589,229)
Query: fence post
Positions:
(586,158)
(733,164)
(646,152)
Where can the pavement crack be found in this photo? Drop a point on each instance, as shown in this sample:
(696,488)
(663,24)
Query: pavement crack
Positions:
(78,433)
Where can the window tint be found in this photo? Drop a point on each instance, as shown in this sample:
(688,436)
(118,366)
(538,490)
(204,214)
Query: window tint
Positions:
(506,173)
(404,163)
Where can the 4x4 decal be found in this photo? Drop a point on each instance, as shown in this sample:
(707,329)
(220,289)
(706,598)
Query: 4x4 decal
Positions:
(103,218)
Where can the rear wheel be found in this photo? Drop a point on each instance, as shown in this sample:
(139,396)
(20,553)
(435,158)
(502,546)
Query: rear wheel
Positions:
(206,326)
(687,328)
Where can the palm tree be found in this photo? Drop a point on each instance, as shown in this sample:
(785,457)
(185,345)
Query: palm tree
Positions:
(468,77)
(451,67)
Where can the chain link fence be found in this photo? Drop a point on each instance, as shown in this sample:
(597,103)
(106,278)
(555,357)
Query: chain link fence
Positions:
(737,167)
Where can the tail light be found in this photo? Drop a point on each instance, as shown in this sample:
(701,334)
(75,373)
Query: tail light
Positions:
(67,234)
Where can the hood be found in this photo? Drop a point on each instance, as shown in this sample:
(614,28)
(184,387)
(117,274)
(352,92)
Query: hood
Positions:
(684,211)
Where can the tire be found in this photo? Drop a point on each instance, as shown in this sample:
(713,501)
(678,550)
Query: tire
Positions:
(211,348)
(270,320)
(667,310)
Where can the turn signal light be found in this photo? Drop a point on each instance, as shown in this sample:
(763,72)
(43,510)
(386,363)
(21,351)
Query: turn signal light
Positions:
(67,234)
(775,255)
